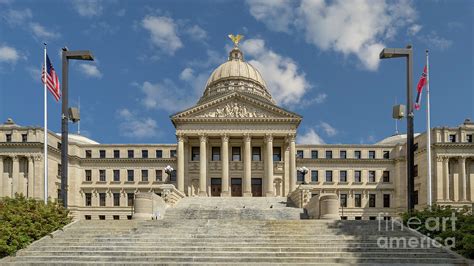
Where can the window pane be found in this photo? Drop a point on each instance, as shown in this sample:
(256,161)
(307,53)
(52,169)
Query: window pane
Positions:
(130,175)
(328,176)
(314,175)
(116,175)
(116,154)
(299,154)
(159,175)
(144,153)
(371,154)
(235,153)
(357,200)
(195,153)
(216,153)
(343,200)
(343,176)
(357,154)
(357,176)
(276,154)
(314,154)
(343,155)
(159,154)
(256,154)
(328,154)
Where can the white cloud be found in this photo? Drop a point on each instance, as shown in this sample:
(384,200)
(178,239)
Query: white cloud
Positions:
(35,73)
(90,70)
(276,14)
(319,99)
(187,74)
(166,96)
(40,32)
(163,33)
(433,40)
(8,54)
(328,129)
(414,29)
(18,17)
(310,137)
(358,28)
(285,82)
(134,126)
(88,8)
(196,33)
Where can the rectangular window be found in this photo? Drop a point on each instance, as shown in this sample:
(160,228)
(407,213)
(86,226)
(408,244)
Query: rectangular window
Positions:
(371,154)
(116,154)
(358,218)
(59,146)
(314,175)
(145,175)
(386,154)
(358,176)
(276,154)
(216,153)
(235,153)
(159,175)
(173,153)
(102,154)
(452,138)
(256,154)
(299,154)
(144,153)
(88,154)
(173,176)
(415,170)
(343,200)
(328,154)
(329,176)
(195,153)
(59,170)
(357,200)
(88,198)
(314,154)
(343,176)
(8,137)
(130,175)
(415,197)
(116,199)
(386,176)
(102,199)
(102,177)
(131,154)
(343,154)
(87,217)
(386,200)
(469,138)
(116,175)
(357,154)
(371,176)
(159,153)
(88,175)
(116,217)
(130,198)
(371,200)
(24,137)
(101,217)
(299,177)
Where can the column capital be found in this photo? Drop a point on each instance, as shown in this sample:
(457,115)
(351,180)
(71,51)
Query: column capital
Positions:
(291,137)
(15,158)
(462,158)
(38,157)
(225,137)
(202,137)
(268,138)
(247,137)
(181,137)
(440,158)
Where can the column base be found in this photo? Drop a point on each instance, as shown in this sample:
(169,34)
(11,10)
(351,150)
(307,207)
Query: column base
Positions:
(202,194)
(269,194)
(247,194)
(225,194)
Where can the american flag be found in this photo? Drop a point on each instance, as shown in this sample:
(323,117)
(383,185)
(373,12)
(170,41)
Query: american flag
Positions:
(51,80)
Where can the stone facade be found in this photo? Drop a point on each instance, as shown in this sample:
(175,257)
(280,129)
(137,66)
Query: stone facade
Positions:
(237,142)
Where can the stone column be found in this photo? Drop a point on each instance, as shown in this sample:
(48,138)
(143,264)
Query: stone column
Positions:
(462,177)
(269,162)
(29,182)
(15,175)
(225,166)
(293,162)
(180,173)
(203,166)
(247,166)
(446,177)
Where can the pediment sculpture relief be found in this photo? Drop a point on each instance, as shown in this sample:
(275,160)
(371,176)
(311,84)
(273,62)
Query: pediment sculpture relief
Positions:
(234,110)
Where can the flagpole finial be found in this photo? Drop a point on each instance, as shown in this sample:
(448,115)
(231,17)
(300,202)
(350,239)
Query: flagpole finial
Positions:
(426,51)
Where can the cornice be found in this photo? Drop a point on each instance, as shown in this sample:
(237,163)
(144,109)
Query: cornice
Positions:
(126,160)
(345,161)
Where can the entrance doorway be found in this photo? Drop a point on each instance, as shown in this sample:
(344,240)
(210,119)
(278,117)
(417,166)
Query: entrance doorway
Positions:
(256,187)
(216,187)
(236,187)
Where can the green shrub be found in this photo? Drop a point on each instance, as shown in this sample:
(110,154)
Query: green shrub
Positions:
(24,220)
(463,233)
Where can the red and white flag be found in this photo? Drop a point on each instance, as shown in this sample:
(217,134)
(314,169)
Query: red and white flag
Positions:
(419,88)
(50,78)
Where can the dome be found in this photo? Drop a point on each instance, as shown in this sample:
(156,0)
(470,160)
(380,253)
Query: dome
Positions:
(236,75)
(79,139)
(395,139)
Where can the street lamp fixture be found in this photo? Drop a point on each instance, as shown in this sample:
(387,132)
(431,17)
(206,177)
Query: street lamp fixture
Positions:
(303,170)
(407,52)
(66,113)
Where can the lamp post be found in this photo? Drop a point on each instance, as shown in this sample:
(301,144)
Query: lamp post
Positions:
(65,113)
(407,52)
(303,170)
(169,170)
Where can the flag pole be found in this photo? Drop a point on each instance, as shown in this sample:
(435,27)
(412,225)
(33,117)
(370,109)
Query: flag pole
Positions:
(45,70)
(428,130)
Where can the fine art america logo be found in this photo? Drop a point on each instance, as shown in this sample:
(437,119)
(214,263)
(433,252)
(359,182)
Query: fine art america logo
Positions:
(431,224)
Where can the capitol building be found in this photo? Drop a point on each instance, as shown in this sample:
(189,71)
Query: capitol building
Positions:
(237,142)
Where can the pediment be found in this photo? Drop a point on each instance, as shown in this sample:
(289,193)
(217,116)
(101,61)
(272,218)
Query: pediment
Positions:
(236,107)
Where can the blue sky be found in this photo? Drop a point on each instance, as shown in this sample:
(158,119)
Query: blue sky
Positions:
(319,59)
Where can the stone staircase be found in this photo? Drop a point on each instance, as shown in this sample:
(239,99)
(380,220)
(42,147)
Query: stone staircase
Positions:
(227,235)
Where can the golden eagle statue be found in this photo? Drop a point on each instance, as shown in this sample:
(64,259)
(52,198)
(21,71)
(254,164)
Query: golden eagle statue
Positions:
(236,39)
